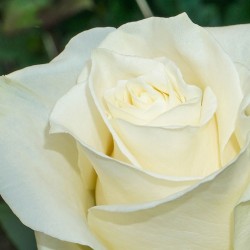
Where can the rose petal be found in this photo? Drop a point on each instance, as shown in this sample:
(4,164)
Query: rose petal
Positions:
(239,138)
(188,113)
(182,151)
(39,175)
(243,121)
(231,150)
(228,38)
(119,183)
(45,242)
(76,114)
(244,74)
(243,127)
(242,221)
(39,169)
(199,218)
(177,38)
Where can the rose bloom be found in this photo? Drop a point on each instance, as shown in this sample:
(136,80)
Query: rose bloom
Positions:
(133,138)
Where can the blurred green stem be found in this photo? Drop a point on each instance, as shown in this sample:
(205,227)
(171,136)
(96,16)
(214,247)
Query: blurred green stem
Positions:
(144,7)
(49,45)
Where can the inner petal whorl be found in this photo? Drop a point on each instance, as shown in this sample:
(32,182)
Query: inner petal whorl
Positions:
(148,96)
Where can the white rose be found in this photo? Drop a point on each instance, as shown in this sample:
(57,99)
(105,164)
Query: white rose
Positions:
(158,113)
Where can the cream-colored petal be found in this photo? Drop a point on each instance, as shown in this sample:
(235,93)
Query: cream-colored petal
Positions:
(242,229)
(119,183)
(182,115)
(39,176)
(231,150)
(177,151)
(243,121)
(195,113)
(201,218)
(108,68)
(45,242)
(76,113)
(244,74)
(239,137)
(242,218)
(235,41)
(197,54)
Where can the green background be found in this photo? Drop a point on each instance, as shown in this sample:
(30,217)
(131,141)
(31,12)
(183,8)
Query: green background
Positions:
(35,31)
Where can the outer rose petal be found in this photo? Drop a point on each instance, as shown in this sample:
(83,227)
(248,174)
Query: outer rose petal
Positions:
(119,183)
(77,114)
(187,220)
(242,215)
(243,123)
(228,37)
(45,242)
(39,175)
(242,222)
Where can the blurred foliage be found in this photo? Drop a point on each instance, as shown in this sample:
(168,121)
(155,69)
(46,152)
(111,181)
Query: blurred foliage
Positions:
(20,236)
(34,31)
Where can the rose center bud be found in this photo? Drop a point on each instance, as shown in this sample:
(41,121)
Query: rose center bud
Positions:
(159,123)
(146,98)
